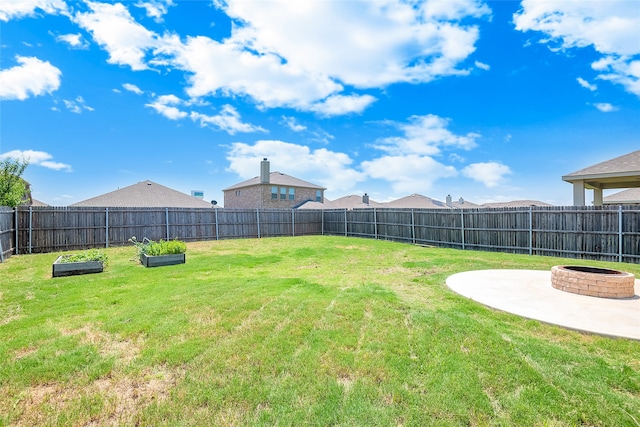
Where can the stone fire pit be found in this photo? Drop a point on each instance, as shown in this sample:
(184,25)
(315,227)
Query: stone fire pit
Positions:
(593,281)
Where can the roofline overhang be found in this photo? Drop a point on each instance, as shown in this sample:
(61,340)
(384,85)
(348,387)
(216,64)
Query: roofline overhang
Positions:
(590,177)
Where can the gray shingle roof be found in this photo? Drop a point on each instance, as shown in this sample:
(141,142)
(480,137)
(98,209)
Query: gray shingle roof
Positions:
(276,178)
(632,195)
(417,201)
(626,165)
(145,194)
(515,204)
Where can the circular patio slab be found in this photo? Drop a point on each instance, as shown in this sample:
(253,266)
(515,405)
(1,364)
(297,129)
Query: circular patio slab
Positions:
(529,293)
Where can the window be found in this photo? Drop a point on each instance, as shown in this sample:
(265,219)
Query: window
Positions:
(292,193)
(274,193)
(237,193)
(283,193)
(318,195)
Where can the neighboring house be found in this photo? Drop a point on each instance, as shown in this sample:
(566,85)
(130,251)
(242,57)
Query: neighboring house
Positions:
(145,194)
(36,202)
(272,190)
(621,172)
(515,204)
(626,197)
(416,201)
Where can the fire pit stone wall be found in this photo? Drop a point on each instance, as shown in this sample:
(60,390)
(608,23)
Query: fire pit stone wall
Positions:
(593,281)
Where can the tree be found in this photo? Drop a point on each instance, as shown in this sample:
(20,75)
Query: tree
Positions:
(13,188)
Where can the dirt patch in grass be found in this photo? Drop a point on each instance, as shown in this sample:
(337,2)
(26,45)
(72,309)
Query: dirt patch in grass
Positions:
(121,399)
(24,352)
(107,344)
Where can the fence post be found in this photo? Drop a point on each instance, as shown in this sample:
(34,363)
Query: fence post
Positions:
(530,230)
(258,221)
(375,224)
(106,228)
(345,222)
(166,214)
(322,219)
(413,227)
(30,226)
(620,240)
(15,210)
(462,227)
(293,222)
(216,211)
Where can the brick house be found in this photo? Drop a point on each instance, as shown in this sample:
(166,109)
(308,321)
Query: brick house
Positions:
(271,190)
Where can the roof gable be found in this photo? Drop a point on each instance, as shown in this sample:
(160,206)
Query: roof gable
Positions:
(276,178)
(631,195)
(417,201)
(145,194)
(626,165)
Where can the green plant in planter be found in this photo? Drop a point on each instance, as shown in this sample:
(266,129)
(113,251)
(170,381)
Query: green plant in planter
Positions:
(161,247)
(90,255)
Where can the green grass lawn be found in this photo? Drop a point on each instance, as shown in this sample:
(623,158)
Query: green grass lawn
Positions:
(297,331)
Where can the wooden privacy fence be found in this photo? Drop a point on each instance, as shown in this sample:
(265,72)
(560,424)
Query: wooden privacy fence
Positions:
(49,229)
(602,233)
(609,233)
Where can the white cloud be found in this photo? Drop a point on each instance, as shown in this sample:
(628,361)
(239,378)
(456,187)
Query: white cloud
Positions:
(293,124)
(264,78)
(39,158)
(605,107)
(336,105)
(165,106)
(620,70)
(585,84)
(482,66)
(132,88)
(77,106)
(364,44)
(323,167)
(113,27)
(32,77)
(610,27)
(16,9)
(76,41)
(412,173)
(155,9)
(299,55)
(491,174)
(228,120)
(426,135)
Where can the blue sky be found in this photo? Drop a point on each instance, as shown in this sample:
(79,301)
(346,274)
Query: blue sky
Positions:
(489,101)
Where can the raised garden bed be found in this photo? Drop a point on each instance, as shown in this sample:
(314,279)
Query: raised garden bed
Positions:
(60,268)
(160,260)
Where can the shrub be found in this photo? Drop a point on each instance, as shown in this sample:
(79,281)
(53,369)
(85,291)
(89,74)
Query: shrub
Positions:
(90,255)
(162,247)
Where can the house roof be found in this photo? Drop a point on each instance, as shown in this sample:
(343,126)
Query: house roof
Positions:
(630,196)
(620,172)
(354,201)
(276,178)
(145,194)
(417,201)
(515,204)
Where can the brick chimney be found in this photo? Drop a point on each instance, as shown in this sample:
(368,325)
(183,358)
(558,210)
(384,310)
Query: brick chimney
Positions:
(365,199)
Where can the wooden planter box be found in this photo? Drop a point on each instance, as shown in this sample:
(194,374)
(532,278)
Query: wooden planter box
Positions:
(73,268)
(160,260)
